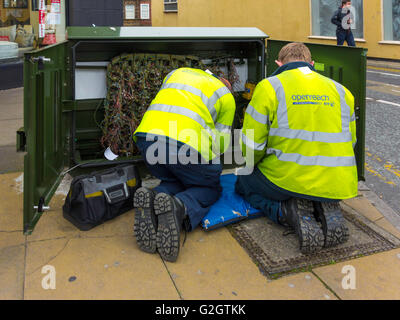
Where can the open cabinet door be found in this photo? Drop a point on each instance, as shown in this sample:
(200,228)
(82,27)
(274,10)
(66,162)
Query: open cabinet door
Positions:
(346,65)
(44,132)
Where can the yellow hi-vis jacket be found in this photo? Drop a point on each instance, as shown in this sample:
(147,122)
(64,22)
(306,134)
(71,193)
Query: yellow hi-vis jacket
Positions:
(195,108)
(303,136)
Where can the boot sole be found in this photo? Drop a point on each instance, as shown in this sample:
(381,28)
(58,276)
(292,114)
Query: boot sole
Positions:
(311,235)
(168,237)
(143,227)
(333,224)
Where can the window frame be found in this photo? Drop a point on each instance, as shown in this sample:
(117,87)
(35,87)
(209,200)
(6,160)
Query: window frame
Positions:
(148,11)
(167,2)
(130,3)
(383,41)
(312,36)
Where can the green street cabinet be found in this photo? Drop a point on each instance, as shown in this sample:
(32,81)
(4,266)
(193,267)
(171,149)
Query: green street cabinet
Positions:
(65,87)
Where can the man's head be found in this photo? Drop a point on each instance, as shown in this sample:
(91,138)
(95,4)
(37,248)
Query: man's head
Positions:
(346,4)
(294,52)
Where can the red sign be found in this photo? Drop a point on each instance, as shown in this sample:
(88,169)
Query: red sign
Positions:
(49,39)
(42,17)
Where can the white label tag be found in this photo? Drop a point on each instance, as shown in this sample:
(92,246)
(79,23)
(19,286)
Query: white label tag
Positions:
(305,70)
(110,155)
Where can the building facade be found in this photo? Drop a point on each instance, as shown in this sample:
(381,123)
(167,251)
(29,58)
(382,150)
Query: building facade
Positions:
(376,27)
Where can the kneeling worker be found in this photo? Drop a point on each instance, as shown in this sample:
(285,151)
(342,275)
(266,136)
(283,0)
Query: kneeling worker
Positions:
(300,127)
(186,127)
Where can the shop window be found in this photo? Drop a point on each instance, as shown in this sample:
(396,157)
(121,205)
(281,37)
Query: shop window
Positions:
(170,6)
(17,4)
(391,20)
(322,12)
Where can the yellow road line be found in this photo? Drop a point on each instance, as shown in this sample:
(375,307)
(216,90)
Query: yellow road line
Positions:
(384,69)
(378,175)
(388,166)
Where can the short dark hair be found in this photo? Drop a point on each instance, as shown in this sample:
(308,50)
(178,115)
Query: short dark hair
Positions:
(345,2)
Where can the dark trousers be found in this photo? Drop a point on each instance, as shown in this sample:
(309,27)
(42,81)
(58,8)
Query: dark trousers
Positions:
(196,185)
(263,195)
(345,36)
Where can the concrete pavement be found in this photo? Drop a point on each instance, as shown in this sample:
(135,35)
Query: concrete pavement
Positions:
(11,119)
(105,263)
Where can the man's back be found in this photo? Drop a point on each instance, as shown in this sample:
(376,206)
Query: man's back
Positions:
(309,134)
(192,107)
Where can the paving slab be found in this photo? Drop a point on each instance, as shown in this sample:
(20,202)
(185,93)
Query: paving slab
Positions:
(377,277)
(212,265)
(12,104)
(8,131)
(361,204)
(385,224)
(96,268)
(10,160)
(12,265)
(11,200)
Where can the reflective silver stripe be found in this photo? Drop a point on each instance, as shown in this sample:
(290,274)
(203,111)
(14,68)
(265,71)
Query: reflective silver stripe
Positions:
(345,108)
(184,112)
(282,115)
(196,92)
(263,119)
(218,94)
(169,76)
(209,102)
(311,135)
(253,145)
(313,161)
(223,128)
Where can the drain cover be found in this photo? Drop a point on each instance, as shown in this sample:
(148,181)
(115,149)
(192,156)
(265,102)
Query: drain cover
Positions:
(276,252)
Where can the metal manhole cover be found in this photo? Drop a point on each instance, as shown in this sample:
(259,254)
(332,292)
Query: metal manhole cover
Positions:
(277,254)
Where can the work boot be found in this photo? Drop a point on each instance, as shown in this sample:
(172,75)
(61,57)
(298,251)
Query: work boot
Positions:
(145,227)
(333,224)
(170,212)
(298,214)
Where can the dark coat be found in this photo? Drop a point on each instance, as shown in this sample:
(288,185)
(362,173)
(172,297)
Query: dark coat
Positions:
(338,18)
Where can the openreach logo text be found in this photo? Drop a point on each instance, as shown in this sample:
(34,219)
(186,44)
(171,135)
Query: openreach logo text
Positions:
(311,100)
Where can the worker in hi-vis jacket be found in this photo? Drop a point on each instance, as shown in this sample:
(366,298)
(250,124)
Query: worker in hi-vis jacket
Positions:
(185,129)
(300,127)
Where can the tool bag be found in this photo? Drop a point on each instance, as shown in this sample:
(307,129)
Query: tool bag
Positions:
(101,196)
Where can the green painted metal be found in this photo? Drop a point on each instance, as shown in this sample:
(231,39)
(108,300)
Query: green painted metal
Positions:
(345,65)
(154,33)
(44,127)
(62,132)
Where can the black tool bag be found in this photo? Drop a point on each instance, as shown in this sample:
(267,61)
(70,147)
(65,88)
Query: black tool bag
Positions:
(101,196)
